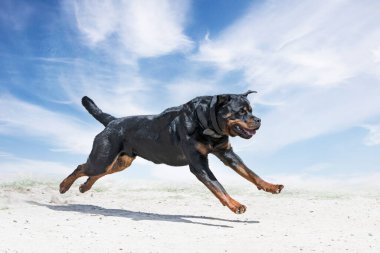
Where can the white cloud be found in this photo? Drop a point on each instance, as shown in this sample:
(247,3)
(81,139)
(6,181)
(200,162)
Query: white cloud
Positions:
(305,43)
(116,90)
(318,167)
(373,137)
(182,91)
(143,28)
(62,132)
(317,112)
(4,154)
(317,64)
(121,32)
(376,54)
(13,166)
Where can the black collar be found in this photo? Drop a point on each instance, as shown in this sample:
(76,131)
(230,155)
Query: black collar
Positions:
(214,119)
(216,131)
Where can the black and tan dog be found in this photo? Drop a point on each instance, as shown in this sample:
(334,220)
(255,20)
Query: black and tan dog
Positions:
(179,136)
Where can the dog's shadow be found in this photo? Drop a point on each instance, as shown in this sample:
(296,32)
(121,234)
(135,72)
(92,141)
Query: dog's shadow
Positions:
(138,216)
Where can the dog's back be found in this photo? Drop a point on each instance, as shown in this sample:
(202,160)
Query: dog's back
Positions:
(152,137)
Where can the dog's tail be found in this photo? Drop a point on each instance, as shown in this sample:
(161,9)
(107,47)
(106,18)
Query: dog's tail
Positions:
(91,107)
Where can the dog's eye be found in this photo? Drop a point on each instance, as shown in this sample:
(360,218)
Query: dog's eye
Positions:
(242,111)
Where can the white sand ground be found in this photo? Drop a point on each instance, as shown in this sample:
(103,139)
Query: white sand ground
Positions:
(159,217)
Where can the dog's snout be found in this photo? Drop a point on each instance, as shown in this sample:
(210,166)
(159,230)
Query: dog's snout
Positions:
(254,122)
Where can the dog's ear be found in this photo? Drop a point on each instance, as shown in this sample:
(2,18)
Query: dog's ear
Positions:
(223,99)
(219,100)
(248,92)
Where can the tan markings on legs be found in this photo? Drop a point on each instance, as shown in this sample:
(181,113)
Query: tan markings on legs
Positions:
(203,149)
(90,181)
(68,182)
(223,146)
(226,200)
(242,170)
(122,162)
(235,206)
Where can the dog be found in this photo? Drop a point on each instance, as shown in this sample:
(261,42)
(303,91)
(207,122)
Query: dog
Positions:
(179,136)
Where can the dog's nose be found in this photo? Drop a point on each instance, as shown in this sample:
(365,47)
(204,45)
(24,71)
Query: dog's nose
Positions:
(257,120)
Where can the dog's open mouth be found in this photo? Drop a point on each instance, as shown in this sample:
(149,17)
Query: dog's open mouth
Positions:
(243,132)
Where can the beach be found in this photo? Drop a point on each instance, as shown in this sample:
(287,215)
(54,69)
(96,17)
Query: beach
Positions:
(144,216)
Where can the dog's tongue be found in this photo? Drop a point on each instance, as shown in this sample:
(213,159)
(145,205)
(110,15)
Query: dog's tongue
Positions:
(249,131)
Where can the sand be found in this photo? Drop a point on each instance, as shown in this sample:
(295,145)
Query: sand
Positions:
(138,216)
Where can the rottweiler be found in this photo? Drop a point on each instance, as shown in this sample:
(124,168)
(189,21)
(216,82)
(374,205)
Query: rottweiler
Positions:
(179,136)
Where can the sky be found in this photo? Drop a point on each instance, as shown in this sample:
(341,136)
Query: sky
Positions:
(315,65)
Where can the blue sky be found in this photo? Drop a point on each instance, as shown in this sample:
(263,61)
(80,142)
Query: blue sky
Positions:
(316,67)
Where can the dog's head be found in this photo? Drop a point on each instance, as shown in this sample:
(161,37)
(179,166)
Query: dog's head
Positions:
(234,115)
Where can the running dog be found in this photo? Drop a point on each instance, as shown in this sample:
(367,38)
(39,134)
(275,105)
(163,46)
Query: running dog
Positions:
(182,135)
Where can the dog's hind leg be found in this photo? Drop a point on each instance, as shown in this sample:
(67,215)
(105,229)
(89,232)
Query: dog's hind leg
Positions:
(105,150)
(68,182)
(106,147)
(122,162)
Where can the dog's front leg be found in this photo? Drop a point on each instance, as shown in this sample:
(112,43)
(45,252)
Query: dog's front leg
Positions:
(199,167)
(229,158)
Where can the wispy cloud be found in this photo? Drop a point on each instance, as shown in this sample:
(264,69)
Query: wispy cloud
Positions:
(126,30)
(117,89)
(282,43)
(316,67)
(19,166)
(61,131)
(373,136)
(317,64)
(4,154)
(182,91)
(118,34)
(318,112)
(135,28)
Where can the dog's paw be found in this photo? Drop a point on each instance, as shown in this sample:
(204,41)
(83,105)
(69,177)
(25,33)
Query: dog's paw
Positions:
(272,188)
(241,209)
(279,188)
(238,209)
(235,206)
(83,188)
(63,188)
